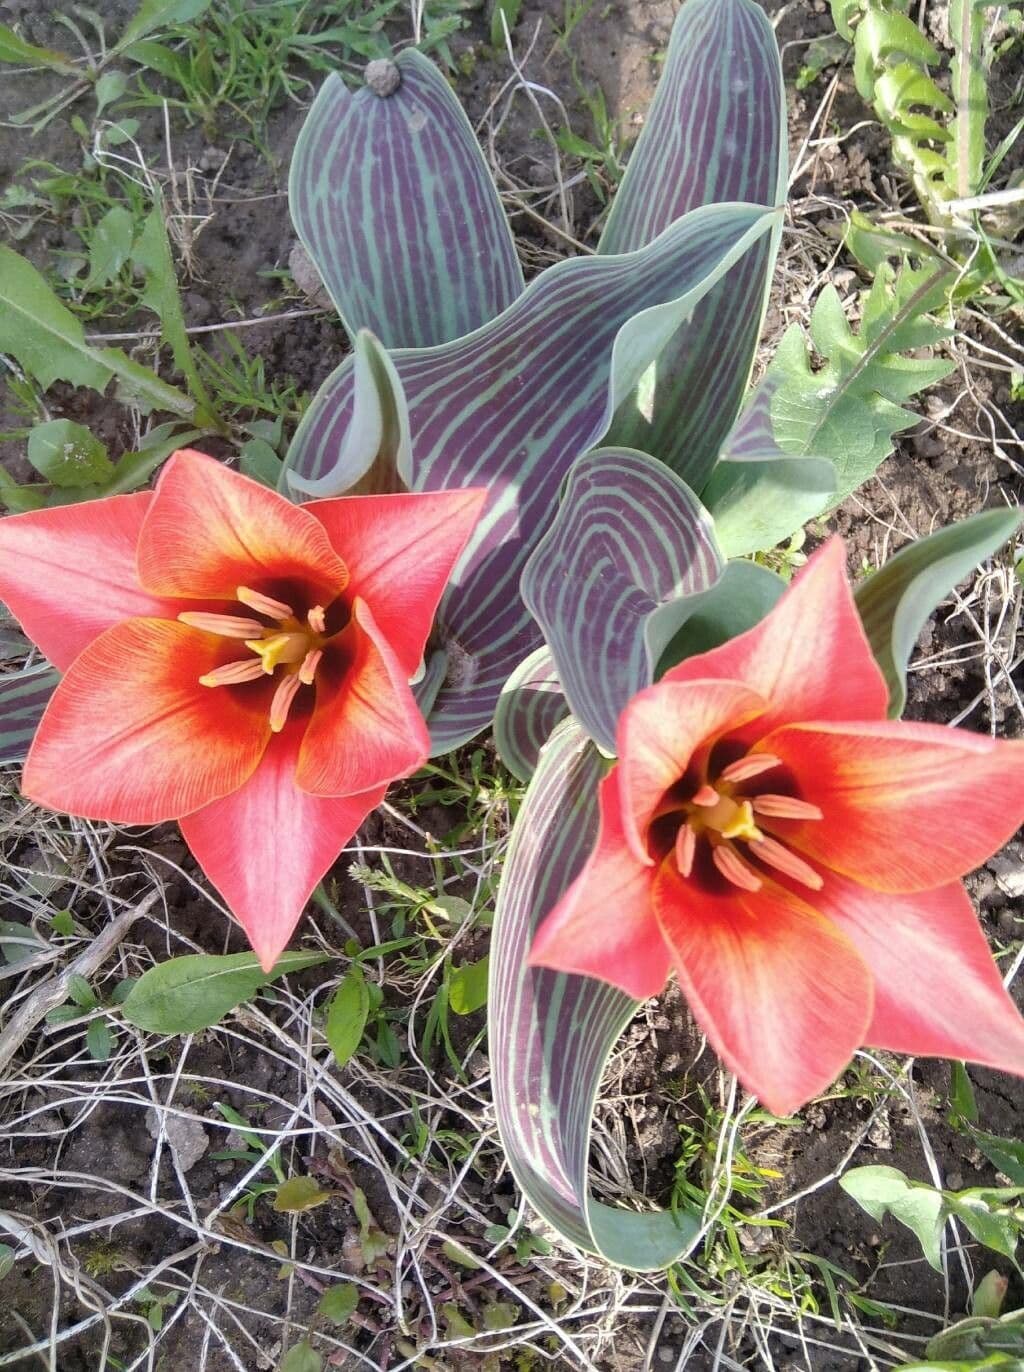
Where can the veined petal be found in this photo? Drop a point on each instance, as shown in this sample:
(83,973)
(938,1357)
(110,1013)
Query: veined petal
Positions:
(937,990)
(131,736)
(366,729)
(660,730)
(782,993)
(809,657)
(906,806)
(604,925)
(400,551)
(210,530)
(69,573)
(266,845)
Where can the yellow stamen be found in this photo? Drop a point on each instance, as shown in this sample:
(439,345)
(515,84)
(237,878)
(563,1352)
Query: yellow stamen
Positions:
(734,869)
(227,626)
(742,823)
(785,807)
(778,856)
(282,702)
(279,648)
(263,604)
(309,665)
(317,619)
(750,766)
(233,673)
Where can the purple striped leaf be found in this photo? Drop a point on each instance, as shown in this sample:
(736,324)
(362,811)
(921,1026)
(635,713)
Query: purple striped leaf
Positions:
(394,203)
(511,407)
(630,541)
(23,698)
(531,703)
(716,131)
(551,1034)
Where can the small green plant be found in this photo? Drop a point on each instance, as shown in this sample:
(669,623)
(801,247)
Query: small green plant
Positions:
(523,1242)
(86,1004)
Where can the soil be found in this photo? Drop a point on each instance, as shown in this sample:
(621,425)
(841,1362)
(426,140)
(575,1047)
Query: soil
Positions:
(934,477)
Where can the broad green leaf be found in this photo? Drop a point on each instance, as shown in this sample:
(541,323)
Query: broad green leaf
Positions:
(629,541)
(68,455)
(395,205)
(187,994)
(18,941)
(160,14)
(299,1194)
(1007,1155)
(134,469)
(467,987)
(512,406)
(256,458)
(23,698)
(550,1035)
(99,1041)
(6,1259)
(110,87)
(111,246)
(347,1015)
(49,342)
(504,17)
(15,49)
(990,1223)
(302,1358)
(739,599)
(981,1341)
(530,705)
(885,1190)
(895,601)
(338,1303)
(715,132)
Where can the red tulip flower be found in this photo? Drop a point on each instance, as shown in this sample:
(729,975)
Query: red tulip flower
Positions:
(795,857)
(235,662)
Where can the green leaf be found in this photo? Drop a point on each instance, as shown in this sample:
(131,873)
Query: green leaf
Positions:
(740,599)
(885,1190)
(256,458)
(111,246)
(63,924)
(134,469)
(68,455)
(302,1358)
(299,1194)
(895,601)
(190,993)
(81,992)
(338,1303)
(18,941)
(372,1240)
(160,14)
(1007,1155)
(347,1015)
(49,342)
(23,698)
(15,49)
(504,15)
(458,1326)
(6,1259)
(110,87)
(991,1224)
(99,1041)
(467,987)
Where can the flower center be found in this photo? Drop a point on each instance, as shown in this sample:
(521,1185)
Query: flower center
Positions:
(290,643)
(718,815)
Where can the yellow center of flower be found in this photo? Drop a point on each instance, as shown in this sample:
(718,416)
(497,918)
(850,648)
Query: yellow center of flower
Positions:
(290,643)
(723,816)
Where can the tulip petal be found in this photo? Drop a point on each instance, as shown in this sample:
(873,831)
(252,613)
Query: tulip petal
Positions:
(938,992)
(131,737)
(906,806)
(660,731)
(809,656)
(604,925)
(400,551)
(69,573)
(782,994)
(210,530)
(366,729)
(267,844)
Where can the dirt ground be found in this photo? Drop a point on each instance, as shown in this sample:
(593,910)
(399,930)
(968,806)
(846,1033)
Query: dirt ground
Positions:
(107,1202)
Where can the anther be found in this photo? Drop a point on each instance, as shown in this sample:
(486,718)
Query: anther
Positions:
(785,807)
(750,766)
(778,856)
(233,673)
(686,847)
(282,702)
(309,665)
(227,626)
(734,869)
(706,796)
(317,619)
(263,604)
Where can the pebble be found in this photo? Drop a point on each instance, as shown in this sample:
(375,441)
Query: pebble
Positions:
(954,1181)
(187,1137)
(1009,874)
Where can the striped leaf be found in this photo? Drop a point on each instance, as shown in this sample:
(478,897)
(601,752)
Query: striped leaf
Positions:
(530,705)
(511,407)
(716,131)
(629,539)
(895,602)
(394,203)
(23,698)
(551,1034)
